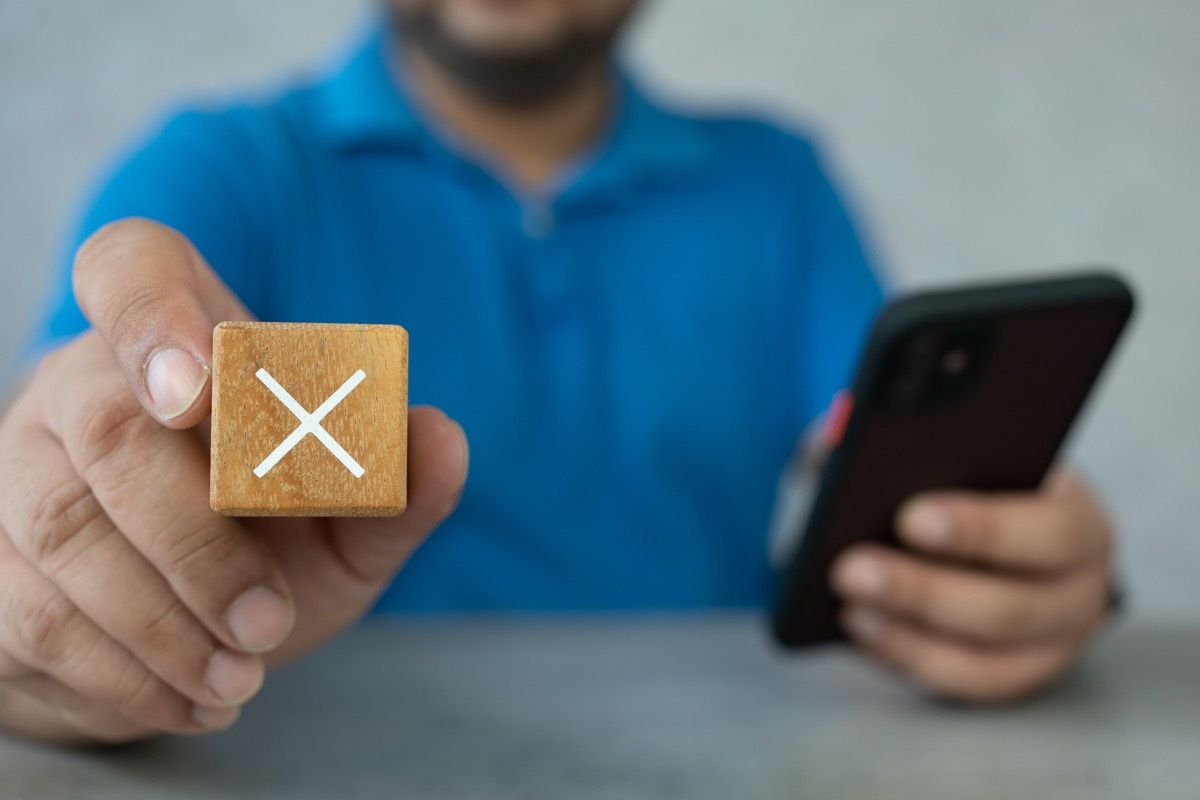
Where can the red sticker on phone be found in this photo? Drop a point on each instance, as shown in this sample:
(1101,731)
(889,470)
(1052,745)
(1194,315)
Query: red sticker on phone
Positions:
(838,417)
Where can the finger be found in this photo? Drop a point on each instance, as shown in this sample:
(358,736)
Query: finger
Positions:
(983,607)
(35,716)
(438,455)
(153,484)
(151,296)
(56,523)
(953,669)
(1054,530)
(356,558)
(27,716)
(30,717)
(43,708)
(41,628)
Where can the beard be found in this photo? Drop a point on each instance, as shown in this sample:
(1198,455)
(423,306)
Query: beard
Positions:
(528,78)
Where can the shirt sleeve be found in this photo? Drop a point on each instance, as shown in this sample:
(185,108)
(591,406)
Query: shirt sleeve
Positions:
(195,173)
(841,291)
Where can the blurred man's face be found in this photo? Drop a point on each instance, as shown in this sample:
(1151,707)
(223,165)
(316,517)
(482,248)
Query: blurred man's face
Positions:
(514,52)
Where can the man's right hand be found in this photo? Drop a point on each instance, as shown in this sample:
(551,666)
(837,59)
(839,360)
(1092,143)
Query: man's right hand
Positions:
(127,607)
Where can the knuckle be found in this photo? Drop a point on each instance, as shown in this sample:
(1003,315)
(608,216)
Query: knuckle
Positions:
(143,698)
(164,628)
(57,516)
(44,630)
(120,312)
(105,424)
(138,692)
(94,248)
(94,251)
(199,554)
(112,236)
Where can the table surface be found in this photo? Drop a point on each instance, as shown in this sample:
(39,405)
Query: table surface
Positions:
(654,707)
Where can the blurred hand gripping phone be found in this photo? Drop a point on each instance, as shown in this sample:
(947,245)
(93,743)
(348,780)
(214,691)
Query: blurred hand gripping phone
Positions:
(971,388)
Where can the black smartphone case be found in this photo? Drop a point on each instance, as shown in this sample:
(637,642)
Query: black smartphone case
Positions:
(1040,346)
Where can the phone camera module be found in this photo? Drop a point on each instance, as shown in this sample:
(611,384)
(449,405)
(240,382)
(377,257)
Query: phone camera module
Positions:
(934,367)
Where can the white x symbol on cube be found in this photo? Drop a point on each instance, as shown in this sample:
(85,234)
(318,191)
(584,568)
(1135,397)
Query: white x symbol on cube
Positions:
(309,423)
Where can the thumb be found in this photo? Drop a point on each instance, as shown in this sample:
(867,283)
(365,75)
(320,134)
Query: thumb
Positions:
(149,293)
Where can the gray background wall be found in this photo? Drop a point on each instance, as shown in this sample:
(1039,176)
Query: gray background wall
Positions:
(980,137)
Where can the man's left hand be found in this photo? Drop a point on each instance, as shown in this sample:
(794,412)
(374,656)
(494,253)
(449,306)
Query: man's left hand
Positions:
(998,596)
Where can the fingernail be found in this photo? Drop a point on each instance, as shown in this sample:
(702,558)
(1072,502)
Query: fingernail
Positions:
(174,379)
(927,524)
(214,719)
(233,677)
(863,576)
(260,620)
(866,626)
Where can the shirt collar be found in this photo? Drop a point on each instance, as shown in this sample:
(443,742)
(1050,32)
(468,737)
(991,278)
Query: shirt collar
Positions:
(364,107)
(647,143)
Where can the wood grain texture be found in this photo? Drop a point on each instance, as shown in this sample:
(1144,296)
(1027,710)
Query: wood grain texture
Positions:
(311,362)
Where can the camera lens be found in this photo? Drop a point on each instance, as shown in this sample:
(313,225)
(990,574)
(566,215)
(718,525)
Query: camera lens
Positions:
(956,362)
(923,350)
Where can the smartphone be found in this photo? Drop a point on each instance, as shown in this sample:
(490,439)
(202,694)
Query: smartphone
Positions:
(972,388)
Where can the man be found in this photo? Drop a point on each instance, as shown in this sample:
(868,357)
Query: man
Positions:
(634,313)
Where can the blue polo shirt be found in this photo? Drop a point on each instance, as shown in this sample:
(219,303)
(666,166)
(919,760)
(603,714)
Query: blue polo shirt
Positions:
(633,356)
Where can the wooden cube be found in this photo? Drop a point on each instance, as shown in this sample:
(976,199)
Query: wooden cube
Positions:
(309,419)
